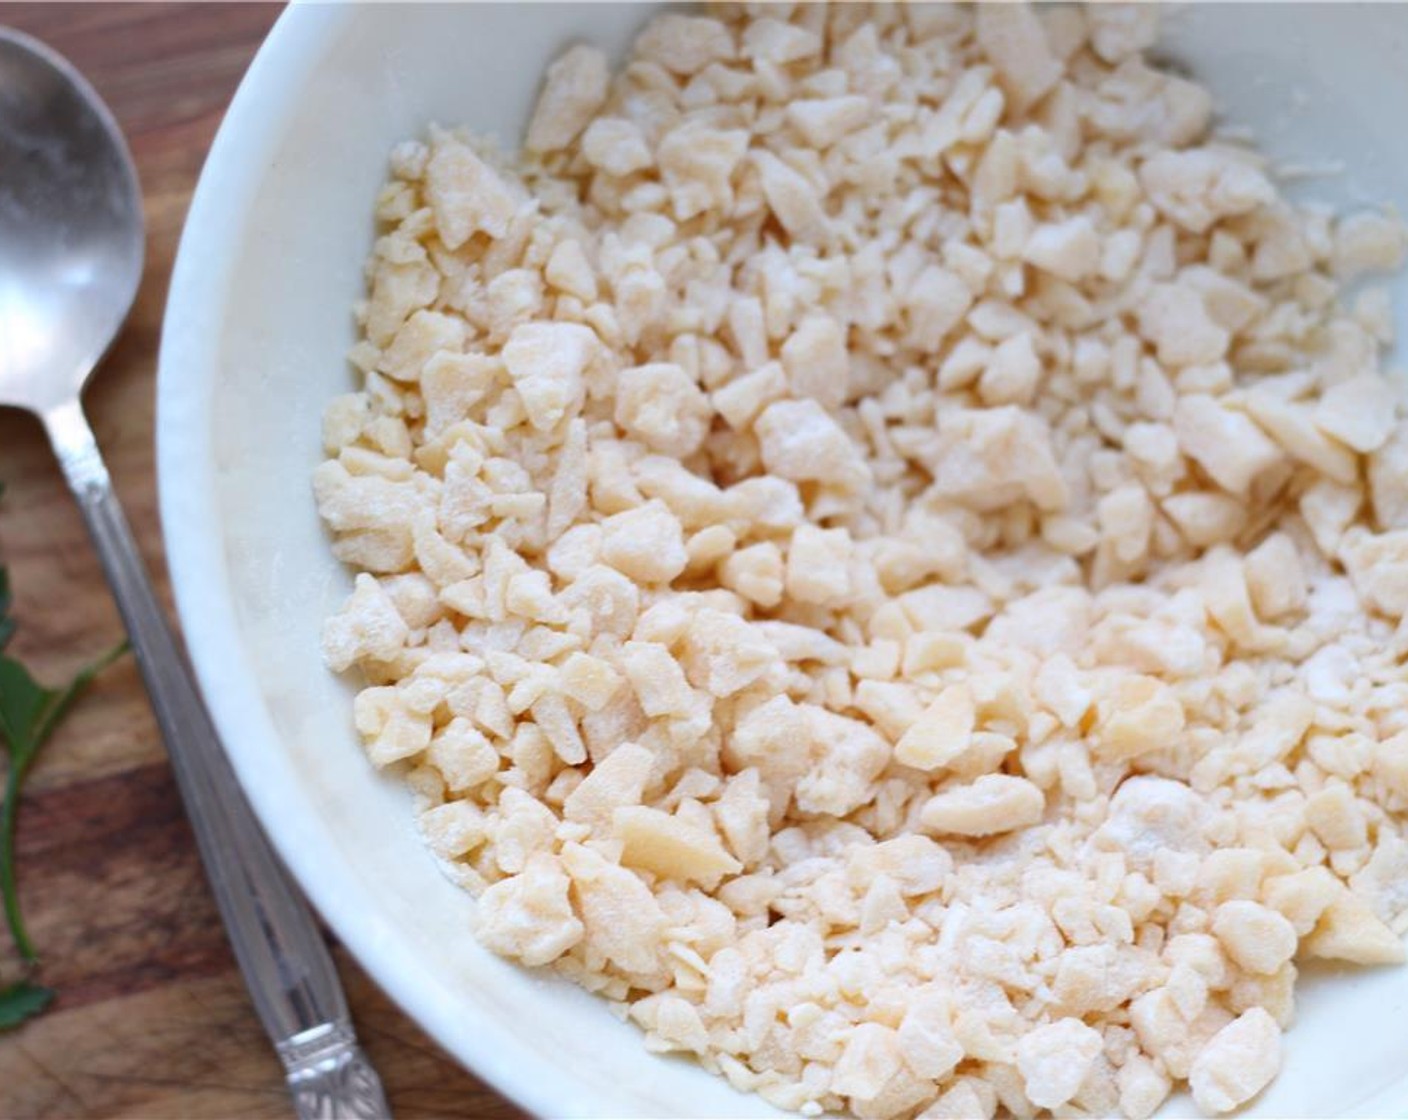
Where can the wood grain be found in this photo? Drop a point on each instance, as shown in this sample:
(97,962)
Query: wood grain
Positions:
(151,1019)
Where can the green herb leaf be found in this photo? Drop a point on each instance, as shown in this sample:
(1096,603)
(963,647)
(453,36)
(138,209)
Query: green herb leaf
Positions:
(22,706)
(29,712)
(21,1001)
(28,715)
(7,624)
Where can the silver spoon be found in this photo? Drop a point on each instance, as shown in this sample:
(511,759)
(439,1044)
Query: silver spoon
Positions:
(71,246)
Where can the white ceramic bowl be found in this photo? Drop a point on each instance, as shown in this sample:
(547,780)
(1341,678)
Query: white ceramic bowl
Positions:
(257,326)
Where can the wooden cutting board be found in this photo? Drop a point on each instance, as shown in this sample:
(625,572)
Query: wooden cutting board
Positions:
(151,1018)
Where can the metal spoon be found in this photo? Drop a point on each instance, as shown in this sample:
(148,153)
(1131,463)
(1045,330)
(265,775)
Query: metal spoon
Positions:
(71,245)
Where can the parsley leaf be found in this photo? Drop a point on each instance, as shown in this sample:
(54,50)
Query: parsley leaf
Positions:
(7,624)
(20,1001)
(29,712)
(28,715)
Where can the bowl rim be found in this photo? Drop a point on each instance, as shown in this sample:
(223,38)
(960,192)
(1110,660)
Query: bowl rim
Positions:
(187,369)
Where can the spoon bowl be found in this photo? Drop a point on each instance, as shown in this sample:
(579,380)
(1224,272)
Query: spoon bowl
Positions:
(71,226)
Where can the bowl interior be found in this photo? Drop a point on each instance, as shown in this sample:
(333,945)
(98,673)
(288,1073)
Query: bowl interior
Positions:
(259,320)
